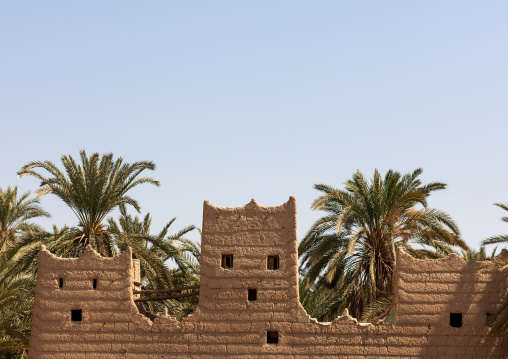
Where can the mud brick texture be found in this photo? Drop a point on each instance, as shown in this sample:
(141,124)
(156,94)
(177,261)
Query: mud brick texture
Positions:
(228,325)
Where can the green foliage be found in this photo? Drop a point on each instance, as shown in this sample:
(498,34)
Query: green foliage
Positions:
(316,300)
(473,255)
(16,285)
(16,301)
(376,308)
(92,190)
(351,250)
(154,252)
(502,238)
(498,321)
(15,213)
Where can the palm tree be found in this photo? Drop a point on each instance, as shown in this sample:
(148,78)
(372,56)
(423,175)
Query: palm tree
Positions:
(16,301)
(92,189)
(352,249)
(15,213)
(473,255)
(16,285)
(498,321)
(503,238)
(153,252)
(59,241)
(316,300)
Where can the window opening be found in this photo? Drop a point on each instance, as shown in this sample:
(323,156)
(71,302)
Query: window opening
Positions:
(94,285)
(273,262)
(489,316)
(76,315)
(272,337)
(252,295)
(456,320)
(60,282)
(227,261)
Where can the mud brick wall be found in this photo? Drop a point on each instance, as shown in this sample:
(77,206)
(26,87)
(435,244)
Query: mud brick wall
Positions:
(227,324)
(429,291)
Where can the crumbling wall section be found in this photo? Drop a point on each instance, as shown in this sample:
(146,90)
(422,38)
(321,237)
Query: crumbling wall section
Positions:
(230,321)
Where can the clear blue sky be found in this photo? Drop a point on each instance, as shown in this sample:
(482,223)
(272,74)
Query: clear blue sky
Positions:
(236,99)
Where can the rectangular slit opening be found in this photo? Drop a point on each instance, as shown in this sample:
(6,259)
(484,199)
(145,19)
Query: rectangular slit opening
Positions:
(76,315)
(272,337)
(60,282)
(456,320)
(252,295)
(227,261)
(94,284)
(273,262)
(489,318)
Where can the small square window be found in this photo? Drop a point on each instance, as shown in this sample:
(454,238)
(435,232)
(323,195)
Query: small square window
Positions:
(252,295)
(60,282)
(456,320)
(76,315)
(273,262)
(94,284)
(227,261)
(272,337)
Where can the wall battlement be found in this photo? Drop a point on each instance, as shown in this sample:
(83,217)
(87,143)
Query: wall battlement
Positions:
(249,307)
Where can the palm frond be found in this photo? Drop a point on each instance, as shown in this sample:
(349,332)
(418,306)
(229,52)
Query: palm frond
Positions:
(352,248)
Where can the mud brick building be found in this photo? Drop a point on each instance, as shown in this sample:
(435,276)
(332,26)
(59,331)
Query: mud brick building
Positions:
(248,306)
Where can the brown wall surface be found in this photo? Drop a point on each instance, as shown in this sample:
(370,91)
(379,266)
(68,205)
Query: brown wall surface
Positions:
(227,324)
